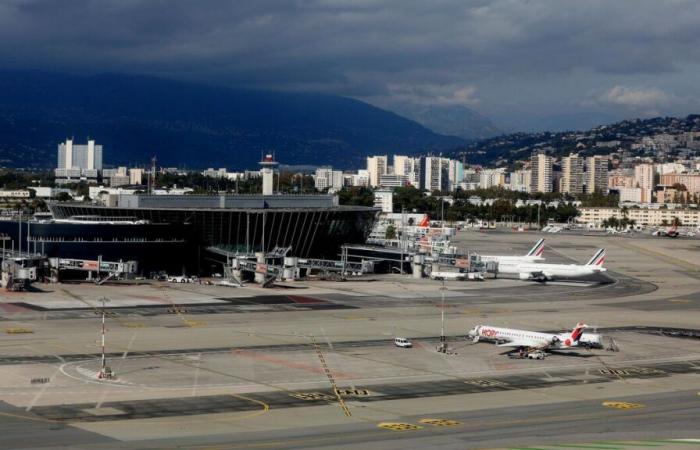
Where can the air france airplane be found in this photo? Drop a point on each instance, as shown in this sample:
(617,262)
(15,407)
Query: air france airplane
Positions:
(530,340)
(535,254)
(548,272)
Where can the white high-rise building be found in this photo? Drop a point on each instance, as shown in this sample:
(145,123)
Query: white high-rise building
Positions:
(521,180)
(326,178)
(78,162)
(489,178)
(135,176)
(541,166)
(361,179)
(597,174)
(571,174)
(376,166)
(434,173)
(408,166)
(455,174)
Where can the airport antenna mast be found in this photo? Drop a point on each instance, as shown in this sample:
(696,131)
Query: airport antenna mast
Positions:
(105,372)
(442,346)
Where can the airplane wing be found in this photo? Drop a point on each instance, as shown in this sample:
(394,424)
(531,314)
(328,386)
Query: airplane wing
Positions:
(516,343)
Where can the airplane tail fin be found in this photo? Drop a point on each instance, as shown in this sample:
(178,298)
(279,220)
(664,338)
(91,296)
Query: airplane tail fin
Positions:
(578,331)
(537,249)
(598,259)
(425,223)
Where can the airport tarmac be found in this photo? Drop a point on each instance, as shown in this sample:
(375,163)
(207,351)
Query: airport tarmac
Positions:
(213,367)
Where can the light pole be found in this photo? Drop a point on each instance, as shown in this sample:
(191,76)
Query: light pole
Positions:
(105,372)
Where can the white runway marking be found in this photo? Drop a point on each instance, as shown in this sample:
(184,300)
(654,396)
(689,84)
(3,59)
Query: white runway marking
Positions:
(196,376)
(42,390)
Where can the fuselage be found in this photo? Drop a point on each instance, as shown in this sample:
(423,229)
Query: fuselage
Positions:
(523,338)
(505,259)
(526,270)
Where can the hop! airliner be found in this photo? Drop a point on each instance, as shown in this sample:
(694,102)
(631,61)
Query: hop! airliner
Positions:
(535,254)
(548,272)
(528,340)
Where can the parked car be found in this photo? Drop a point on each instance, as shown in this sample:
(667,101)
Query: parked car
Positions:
(178,279)
(402,342)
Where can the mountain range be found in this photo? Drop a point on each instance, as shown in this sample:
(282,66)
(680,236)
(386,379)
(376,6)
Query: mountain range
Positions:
(195,125)
(451,120)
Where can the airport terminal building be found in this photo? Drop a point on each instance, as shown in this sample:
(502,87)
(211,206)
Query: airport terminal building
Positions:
(189,233)
(312,225)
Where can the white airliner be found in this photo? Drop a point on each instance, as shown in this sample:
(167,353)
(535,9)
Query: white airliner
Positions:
(548,272)
(535,254)
(529,340)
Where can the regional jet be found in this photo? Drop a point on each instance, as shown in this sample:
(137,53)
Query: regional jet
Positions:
(528,340)
(548,272)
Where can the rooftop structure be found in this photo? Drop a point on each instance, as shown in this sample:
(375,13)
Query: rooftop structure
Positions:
(76,162)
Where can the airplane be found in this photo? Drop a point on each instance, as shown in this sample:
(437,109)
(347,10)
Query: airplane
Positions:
(528,340)
(535,254)
(547,272)
(671,232)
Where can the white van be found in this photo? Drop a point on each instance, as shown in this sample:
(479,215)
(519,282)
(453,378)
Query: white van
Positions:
(402,342)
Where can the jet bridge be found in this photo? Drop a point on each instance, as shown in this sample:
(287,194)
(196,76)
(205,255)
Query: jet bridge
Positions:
(102,270)
(19,269)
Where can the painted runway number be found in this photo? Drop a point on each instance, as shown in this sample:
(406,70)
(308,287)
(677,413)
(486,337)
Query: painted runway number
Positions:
(399,426)
(623,405)
(486,383)
(312,396)
(440,422)
(354,392)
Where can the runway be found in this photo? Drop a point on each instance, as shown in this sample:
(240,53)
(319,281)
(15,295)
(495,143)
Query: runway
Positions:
(643,421)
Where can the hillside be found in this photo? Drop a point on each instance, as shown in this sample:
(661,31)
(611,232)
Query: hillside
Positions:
(451,120)
(626,136)
(193,125)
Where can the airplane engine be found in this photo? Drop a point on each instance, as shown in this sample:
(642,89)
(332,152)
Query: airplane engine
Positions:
(524,276)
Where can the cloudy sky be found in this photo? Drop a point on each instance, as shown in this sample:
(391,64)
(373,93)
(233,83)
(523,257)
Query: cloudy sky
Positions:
(524,63)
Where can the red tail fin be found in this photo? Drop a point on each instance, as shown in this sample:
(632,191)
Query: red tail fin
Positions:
(425,223)
(578,331)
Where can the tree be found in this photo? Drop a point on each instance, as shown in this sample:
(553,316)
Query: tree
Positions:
(679,187)
(390,232)
(358,196)
(64,197)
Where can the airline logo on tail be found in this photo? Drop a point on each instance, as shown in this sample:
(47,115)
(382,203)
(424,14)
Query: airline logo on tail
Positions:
(598,259)
(537,250)
(576,334)
(425,223)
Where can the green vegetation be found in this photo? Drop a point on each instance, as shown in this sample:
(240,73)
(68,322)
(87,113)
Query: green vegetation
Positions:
(390,232)
(358,196)
(16,179)
(599,200)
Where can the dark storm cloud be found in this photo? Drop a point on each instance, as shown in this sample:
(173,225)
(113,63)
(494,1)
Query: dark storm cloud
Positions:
(368,48)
